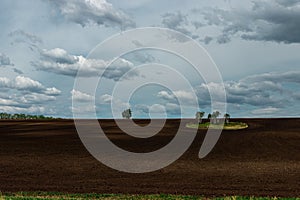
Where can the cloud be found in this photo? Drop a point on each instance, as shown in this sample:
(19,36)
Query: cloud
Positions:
(178,95)
(142,57)
(17,71)
(179,22)
(33,109)
(98,12)
(24,95)
(27,85)
(265,111)
(59,56)
(106,99)
(260,90)
(58,61)
(23,37)
(289,76)
(288,3)
(4,60)
(159,110)
(81,96)
(275,21)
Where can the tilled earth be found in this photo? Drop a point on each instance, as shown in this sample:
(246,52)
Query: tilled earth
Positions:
(263,160)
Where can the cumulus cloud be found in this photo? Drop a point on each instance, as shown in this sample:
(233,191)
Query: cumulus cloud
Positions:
(81,96)
(25,95)
(99,12)
(178,95)
(33,109)
(276,21)
(27,85)
(106,99)
(58,61)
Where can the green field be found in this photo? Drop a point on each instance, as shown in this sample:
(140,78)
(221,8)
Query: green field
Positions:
(54,195)
(228,126)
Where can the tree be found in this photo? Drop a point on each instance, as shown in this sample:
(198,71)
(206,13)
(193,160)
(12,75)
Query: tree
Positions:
(227,117)
(199,116)
(127,114)
(215,116)
(209,116)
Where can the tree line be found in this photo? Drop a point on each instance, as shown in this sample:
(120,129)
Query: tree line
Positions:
(213,117)
(22,116)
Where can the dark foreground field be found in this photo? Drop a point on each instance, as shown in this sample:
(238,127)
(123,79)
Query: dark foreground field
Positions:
(263,160)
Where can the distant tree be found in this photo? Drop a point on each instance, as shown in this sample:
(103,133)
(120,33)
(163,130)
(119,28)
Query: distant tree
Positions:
(215,116)
(199,116)
(209,116)
(127,114)
(227,117)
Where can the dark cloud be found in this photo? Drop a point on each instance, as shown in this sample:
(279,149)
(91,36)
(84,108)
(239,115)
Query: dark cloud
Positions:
(18,71)
(91,11)
(276,21)
(178,22)
(4,60)
(20,36)
(290,76)
(288,2)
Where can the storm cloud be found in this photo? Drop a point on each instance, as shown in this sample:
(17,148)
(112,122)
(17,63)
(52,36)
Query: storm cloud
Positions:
(275,21)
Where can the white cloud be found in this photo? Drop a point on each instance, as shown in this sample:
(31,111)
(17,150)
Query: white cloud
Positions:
(106,99)
(26,84)
(58,61)
(265,111)
(58,55)
(81,96)
(180,95)
(34,109)
(25,95)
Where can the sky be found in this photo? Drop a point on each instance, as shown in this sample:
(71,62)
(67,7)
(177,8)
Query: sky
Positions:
(254,44)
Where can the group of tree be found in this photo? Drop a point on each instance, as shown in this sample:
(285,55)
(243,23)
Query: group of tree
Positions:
(213,117)
(127,114)
(8,116)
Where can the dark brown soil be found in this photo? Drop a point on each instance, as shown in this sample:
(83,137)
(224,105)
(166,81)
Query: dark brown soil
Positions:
(263,160)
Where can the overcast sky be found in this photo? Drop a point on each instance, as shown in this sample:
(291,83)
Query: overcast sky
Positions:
(255,45)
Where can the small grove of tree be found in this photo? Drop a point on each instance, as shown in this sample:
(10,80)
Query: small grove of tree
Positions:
(214,116)
(8,116)
(127,114)
(199,116)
